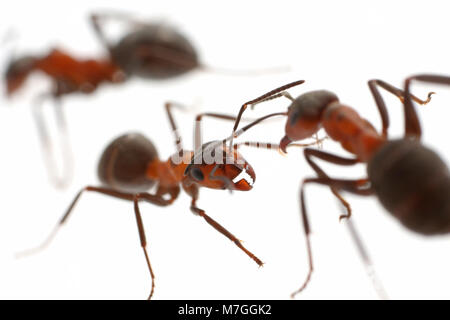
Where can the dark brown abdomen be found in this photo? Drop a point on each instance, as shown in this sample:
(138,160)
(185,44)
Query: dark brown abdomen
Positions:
(124,163)
(155,51)
(413,184)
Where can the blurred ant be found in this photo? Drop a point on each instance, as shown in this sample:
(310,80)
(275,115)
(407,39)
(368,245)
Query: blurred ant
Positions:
(149,50)
(130,166)
(411,181)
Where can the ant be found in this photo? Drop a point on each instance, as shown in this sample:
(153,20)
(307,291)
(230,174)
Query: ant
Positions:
(150,51)
(410,180)
(130,166)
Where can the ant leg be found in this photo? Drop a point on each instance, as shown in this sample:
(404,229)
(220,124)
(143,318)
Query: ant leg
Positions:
(166,55)
(157,200)
(60,181)
(97,20)
(178,141)
(367,261)
(369,266)
(412,125)
(65,142)
(348,185)
(309,153)
(98,29)
(380,102)
(265,97)
(193,192)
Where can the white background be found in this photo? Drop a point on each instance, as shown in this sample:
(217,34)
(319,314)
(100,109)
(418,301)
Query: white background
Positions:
(334,45)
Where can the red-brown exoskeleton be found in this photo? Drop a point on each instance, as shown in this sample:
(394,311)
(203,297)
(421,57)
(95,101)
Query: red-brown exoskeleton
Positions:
(155,51)
(130,166)
(410,180)
(150,51)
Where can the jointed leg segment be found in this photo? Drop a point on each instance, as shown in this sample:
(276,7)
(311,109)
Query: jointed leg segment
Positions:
(412,125)
(197,211)
(154,199)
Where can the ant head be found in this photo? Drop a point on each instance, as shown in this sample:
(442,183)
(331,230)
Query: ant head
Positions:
(17,72)
(305,114)
(217,167)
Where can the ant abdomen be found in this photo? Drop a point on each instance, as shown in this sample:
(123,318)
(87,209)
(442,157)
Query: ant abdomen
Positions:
(413,184)
(155,51)
(124,163)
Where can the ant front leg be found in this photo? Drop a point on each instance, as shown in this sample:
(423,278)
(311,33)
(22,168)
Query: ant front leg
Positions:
(193,191)
(409,117)
(154,199)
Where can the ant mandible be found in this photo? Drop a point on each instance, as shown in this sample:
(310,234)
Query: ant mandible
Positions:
(410,180)
(151,51)
(130,166)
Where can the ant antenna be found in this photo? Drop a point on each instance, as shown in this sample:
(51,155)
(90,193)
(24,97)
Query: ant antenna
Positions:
(273,94)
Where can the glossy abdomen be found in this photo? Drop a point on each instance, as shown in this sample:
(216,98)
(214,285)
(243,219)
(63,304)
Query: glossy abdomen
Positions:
(155,51)
(124,163)
(413,184)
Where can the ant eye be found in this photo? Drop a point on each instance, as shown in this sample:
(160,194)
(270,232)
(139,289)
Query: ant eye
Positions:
(197,174)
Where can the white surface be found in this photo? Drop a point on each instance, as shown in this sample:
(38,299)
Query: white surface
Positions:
(332,45)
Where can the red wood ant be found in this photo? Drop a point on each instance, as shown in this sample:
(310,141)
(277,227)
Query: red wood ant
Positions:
(410,180)
(130,166)
(150,51)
